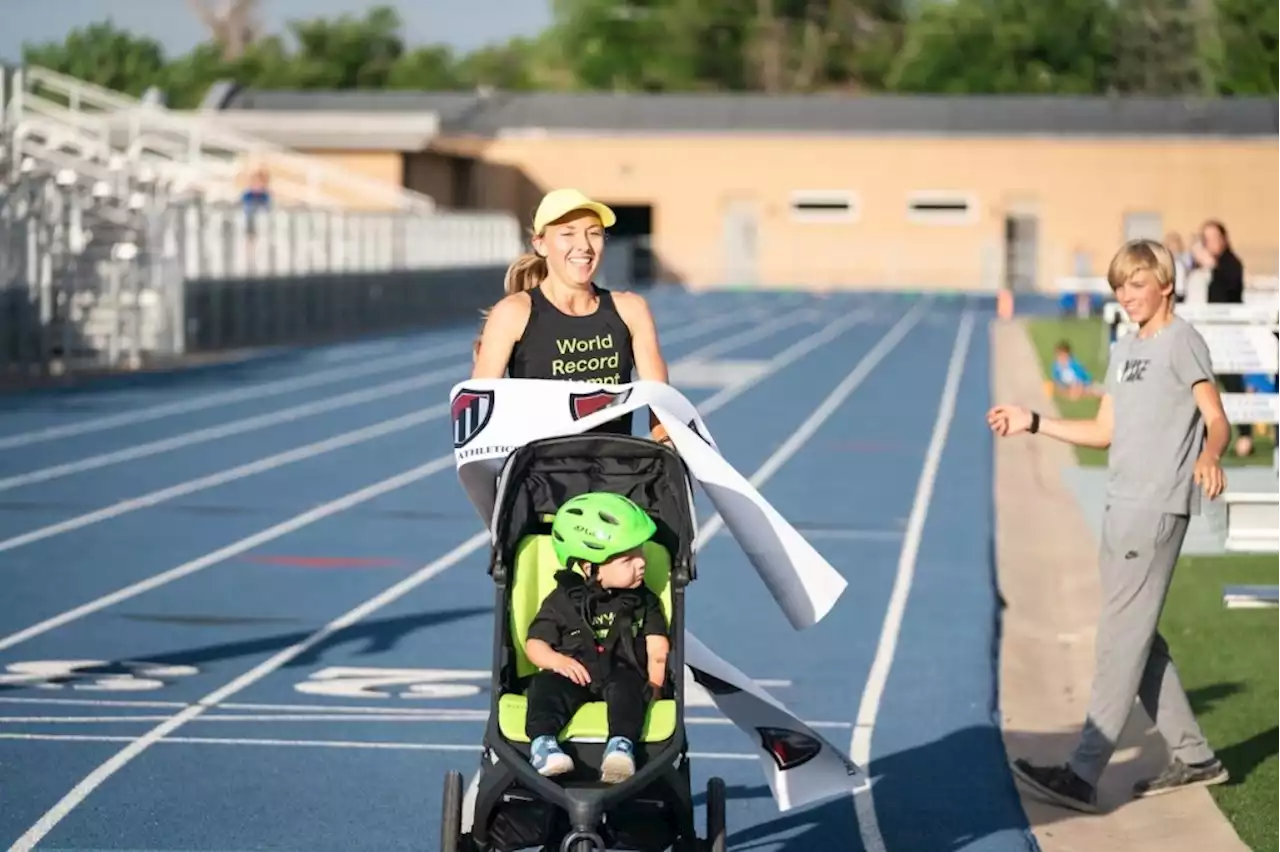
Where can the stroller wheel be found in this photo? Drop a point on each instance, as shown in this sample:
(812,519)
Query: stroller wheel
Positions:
(451,814)
(716,835)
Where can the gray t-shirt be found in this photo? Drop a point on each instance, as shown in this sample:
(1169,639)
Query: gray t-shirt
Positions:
(1158,429)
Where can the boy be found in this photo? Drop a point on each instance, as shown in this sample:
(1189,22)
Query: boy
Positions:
(600,634)
(1159,398)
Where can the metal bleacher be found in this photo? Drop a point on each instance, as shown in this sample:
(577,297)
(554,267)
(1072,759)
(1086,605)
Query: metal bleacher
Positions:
(118,217)
(1242,339)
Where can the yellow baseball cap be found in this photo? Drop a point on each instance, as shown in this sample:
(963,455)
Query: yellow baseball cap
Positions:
(559,202)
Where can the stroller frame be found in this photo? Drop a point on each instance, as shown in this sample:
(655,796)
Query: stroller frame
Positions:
(515,807)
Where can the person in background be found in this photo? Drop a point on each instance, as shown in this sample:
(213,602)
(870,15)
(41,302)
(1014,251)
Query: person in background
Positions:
(1226,285)
(1070,378)
(1182,262)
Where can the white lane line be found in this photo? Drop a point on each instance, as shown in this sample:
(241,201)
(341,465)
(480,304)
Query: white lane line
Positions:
(751,335)
(270,534)
(237,427)
(285,415)
(191,486)
(297,522)
(121,758)
(385,364)
(26,844)
(98,776)
(805,431)
(272,462)
(420,716)
(873,691)
(223,398)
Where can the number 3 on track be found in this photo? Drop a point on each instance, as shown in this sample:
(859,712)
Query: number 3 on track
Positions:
(351,682)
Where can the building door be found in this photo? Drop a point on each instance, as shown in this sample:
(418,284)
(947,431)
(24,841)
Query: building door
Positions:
(1022,249)
(741,244)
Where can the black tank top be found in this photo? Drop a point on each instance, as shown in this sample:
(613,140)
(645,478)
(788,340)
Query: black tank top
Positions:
(593,348)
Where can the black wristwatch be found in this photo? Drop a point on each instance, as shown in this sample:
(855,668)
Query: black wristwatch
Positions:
(1035,423)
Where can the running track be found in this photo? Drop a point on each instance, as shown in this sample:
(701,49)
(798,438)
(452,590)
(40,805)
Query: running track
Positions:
(274,568)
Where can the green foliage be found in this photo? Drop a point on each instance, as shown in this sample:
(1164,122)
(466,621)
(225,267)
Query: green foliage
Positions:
(1212,47)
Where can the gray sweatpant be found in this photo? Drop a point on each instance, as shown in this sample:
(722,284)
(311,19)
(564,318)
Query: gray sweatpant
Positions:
(1139,550)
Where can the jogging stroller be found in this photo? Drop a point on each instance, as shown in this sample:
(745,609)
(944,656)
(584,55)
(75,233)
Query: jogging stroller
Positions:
(515,807)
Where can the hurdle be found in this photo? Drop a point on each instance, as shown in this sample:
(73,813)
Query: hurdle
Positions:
(1242,339)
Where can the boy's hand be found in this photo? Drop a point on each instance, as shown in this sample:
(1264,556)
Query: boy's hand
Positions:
(1006,420)
(1208,475)
(575,671)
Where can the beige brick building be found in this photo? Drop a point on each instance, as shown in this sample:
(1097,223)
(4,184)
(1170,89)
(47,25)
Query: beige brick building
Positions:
(920,192)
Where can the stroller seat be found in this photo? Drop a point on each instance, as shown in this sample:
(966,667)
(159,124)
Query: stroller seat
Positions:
(533,579)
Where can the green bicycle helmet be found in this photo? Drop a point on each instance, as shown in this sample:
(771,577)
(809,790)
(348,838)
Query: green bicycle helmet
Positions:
(597,526)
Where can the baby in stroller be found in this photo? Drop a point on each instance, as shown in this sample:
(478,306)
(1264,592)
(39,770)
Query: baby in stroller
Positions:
(599,635)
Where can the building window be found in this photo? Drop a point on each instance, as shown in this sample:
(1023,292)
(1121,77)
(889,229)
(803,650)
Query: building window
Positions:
(834,205)
(930,207)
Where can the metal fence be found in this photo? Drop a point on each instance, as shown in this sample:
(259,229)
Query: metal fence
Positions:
(92,280)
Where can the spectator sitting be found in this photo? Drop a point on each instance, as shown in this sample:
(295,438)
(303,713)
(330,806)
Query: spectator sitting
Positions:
(1070,378)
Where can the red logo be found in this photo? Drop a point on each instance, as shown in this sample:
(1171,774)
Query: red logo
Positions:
(585,404)
(471,412)
(788,749)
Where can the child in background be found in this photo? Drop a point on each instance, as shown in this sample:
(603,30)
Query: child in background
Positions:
(1070,378)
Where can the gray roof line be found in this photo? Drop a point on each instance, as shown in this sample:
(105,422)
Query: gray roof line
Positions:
(602,112)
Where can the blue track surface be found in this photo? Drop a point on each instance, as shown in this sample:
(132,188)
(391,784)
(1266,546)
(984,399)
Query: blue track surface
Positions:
(216,573)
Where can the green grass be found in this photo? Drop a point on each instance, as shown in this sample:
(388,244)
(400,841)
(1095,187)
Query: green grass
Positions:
(1228,663)
(1088,339)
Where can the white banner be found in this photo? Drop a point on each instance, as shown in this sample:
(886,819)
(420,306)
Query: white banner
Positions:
(493,417)
(801,767)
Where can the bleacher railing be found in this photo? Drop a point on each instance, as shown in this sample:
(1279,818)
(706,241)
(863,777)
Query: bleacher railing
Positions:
(89,282)
(55,113)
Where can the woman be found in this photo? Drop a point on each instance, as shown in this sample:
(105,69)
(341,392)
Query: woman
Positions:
(554,323)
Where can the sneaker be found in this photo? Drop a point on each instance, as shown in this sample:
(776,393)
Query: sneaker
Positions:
(1059,784)
(619,762)
(1179,776)
(547,758)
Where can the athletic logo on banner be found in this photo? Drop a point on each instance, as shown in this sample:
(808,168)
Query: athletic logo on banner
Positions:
(585,404)
(788,749)
(471,412)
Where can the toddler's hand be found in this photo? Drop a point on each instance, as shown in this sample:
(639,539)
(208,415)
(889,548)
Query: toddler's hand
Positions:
(572,669)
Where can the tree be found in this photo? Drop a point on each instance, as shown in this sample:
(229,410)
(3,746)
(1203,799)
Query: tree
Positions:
(1245,61)
(1157,47)
(104,55)
(1007,47)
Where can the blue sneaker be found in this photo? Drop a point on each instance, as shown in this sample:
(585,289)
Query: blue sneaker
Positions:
(547,758)
(619,762)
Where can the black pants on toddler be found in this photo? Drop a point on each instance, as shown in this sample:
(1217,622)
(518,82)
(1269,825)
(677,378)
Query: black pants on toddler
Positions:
(553,699)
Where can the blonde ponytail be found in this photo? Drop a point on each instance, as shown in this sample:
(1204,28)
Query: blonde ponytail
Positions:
(525,273)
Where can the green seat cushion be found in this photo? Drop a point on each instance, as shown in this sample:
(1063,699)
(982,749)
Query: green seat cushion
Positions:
(591,722)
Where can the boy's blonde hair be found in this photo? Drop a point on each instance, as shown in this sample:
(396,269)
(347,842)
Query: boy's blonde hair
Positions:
(1137,255)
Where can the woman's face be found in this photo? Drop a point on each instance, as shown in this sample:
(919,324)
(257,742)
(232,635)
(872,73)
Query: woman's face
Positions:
(573,246)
